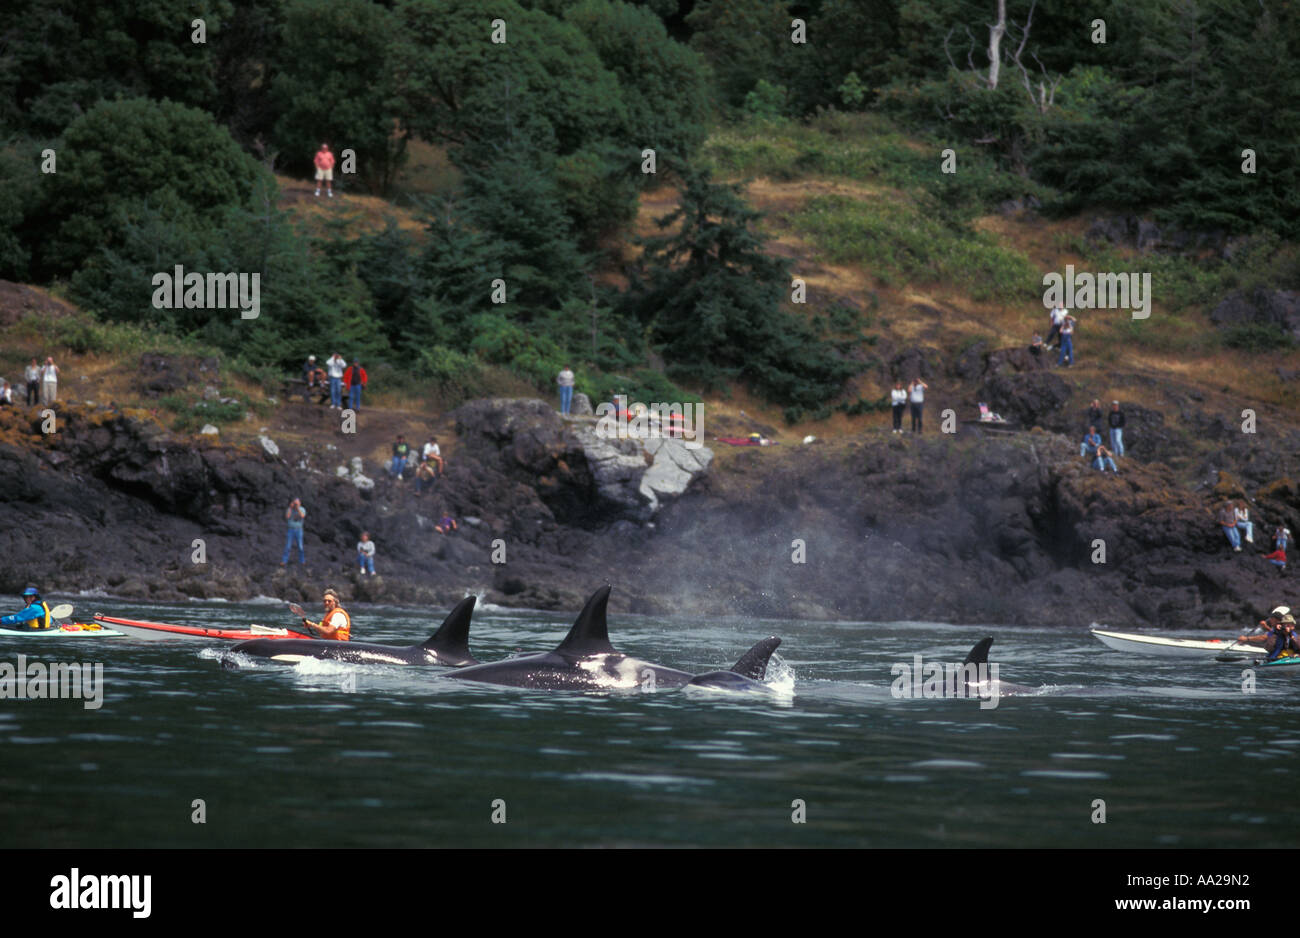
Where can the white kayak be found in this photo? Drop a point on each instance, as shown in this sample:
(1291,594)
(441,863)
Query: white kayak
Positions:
(1177,647)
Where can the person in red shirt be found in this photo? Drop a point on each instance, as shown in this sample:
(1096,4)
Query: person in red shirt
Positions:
(325,169)
(354,379)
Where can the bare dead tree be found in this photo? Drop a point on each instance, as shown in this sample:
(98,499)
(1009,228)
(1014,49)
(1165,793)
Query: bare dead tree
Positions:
(1046,97)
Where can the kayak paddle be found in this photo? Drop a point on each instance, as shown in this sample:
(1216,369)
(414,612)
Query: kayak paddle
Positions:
(61,611)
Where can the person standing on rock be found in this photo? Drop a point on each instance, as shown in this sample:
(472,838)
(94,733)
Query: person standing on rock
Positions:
(1066,354)
(294,515)
(916,394)
(49,382)
(898,400)
(1057,316)
(354,379)
(366,554)
(335,368)
(565,381)
(1116,419)
(1227,519)
(336,625)
(1095,414)
(324,161)
(35,615)
(33,378)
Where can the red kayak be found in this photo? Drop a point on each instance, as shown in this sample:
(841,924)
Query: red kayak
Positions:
(154,631)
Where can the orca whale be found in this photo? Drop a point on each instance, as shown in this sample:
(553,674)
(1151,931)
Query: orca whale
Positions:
(448,646)
(989,687)
(586,660)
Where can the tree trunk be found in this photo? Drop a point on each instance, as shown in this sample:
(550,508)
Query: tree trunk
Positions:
(996,31)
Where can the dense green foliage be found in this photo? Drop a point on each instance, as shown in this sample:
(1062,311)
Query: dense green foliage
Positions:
(548,109)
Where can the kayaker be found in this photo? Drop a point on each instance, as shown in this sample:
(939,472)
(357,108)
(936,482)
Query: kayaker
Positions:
(1283,642)
(1269,625)
(36,614)
(337,624)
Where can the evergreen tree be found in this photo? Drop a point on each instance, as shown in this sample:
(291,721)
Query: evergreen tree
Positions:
(710,295)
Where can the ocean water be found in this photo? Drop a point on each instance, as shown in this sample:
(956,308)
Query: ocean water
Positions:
(1175,752)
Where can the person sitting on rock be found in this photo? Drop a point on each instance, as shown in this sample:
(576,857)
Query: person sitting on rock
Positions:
(1091,441)
(1036,346)
(35,615)
(432,452)
(1243,522)
(424,476)
(401,450)
(1105,460)
(1277,559)
(336,625)
(1227,519)
(6,393)
(366,554)
(446,525)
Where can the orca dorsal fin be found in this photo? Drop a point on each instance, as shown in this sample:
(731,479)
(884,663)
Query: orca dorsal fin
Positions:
(753,663)
(980,653)
(451,642)
(590,632)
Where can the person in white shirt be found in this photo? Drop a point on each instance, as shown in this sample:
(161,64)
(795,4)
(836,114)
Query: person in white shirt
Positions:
(1066,353)
(565,381)
(49,382)
(1058,317)
(366,554)
(6,392)
(898,398)
(432,453)
(916,394)
(334,368)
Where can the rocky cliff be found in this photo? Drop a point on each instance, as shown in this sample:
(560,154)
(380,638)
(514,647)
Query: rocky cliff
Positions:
(966,527)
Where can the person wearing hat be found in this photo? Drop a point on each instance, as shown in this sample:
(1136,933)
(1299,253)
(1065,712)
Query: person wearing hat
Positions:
(354,379)
(309,369)
(1268,625)
(1282,641)
(36,614)
(336,624)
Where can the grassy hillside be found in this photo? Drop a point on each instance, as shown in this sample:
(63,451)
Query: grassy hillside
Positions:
(864,216)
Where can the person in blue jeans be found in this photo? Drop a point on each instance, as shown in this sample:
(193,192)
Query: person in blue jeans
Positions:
(1104,461)
(1116,420)
(354,379)
(294,516)
(565,381)
(1091,442)
(1066,354)
(334,368)
(401,450)
(366,554)
(1228,521)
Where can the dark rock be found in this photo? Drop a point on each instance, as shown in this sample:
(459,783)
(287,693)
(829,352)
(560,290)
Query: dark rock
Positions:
(1033,399)
(1261,307)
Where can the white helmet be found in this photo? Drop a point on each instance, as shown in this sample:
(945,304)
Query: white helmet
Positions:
(1281,611)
